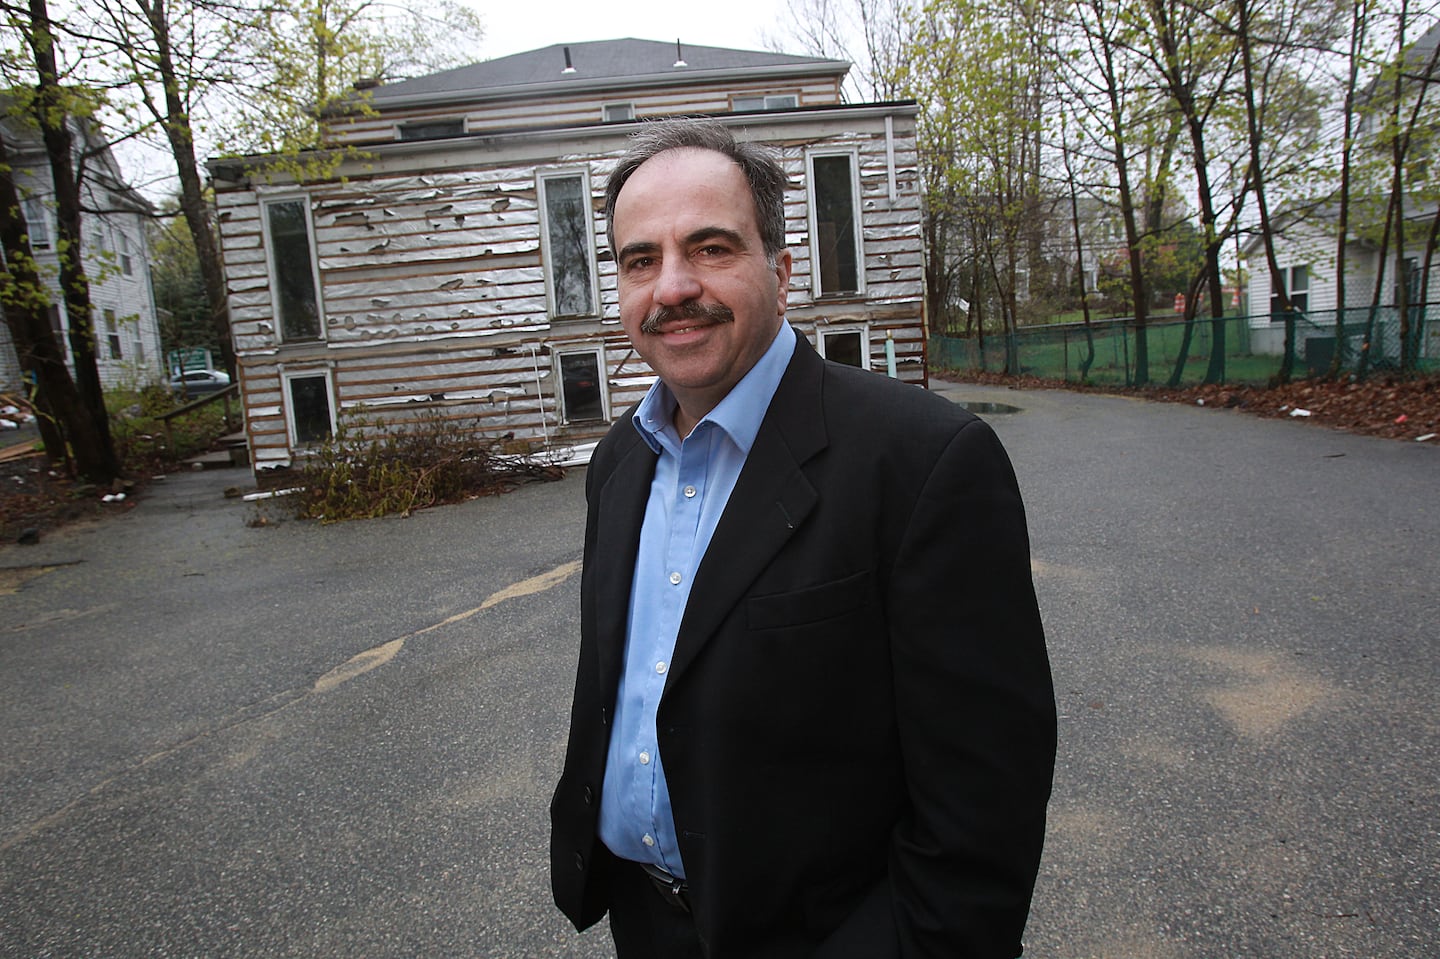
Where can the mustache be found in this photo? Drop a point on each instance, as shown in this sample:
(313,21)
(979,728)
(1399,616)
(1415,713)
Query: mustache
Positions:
(709,312)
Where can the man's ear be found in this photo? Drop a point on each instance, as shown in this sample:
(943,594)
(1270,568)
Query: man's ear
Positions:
(784,262)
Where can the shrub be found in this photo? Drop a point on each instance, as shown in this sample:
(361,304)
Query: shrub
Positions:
(369,469)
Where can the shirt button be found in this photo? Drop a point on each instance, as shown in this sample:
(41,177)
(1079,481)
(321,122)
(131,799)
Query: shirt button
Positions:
(644,759)
(660,668)
(689,492)
(648,839)
(675,579)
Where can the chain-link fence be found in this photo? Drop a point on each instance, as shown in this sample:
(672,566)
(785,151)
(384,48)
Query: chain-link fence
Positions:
(1251,349)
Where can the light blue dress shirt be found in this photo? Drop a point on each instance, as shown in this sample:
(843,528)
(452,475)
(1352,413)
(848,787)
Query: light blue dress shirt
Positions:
(693,480)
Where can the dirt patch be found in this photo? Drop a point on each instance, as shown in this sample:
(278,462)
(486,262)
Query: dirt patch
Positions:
(36,499)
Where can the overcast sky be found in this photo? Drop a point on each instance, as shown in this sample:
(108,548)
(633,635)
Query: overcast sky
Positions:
(518,25)
(515,26)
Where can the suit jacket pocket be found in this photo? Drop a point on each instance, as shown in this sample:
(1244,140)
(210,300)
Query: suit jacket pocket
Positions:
(812,604)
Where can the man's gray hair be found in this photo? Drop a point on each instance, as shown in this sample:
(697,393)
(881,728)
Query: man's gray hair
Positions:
(762,171)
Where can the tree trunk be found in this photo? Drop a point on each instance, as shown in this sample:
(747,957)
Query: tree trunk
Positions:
(1257,182)
(192,195)
(65,424)
(92,446)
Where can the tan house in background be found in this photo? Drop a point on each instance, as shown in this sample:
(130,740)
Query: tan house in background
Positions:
(455,264)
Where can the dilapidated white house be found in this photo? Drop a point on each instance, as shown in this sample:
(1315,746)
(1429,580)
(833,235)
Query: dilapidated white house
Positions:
(113,240)
(455,263)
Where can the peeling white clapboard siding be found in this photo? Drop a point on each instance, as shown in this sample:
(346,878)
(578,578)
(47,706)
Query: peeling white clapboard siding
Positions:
(555,111)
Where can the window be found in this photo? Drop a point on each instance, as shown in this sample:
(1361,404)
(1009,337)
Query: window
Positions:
(567,236)
(293,280)
(112,334)
(848,345)
(57,326)
(1297,284)
(835,257)
(37,221)
(777,101)
(309,411)
(127,265)
(431,129)
(618,112)
(1407,276)
(582,390)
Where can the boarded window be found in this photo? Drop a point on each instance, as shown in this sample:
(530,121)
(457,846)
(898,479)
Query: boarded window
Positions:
(581,386)
(310,415)
(287,229)
(569,244)
(112,334)
(432,130)
(835,237)
(844,346)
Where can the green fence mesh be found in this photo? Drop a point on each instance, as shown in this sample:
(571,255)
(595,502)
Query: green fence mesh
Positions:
(1252,347)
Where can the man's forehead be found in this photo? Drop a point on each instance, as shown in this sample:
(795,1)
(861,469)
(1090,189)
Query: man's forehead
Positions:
(679,159)
(686,172)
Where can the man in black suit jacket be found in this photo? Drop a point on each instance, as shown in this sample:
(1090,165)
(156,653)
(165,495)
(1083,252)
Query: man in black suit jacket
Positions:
(857,723)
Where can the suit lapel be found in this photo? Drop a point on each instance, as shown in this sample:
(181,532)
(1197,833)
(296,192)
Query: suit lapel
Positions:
(621,513)
(771,500)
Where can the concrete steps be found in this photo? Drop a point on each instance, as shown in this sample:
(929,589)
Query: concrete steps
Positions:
(232,450)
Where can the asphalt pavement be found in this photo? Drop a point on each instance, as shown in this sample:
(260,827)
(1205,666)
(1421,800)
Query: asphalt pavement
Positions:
(227,733)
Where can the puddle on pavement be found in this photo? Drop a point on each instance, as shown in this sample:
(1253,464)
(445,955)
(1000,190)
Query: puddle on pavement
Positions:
(982,408)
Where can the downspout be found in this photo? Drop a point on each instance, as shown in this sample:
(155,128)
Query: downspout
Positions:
(890,158)
(539,393)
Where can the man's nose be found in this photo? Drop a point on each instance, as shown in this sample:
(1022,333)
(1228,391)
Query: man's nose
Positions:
(678,282)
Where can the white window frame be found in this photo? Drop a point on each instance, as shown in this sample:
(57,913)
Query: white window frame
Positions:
(858,232)
(115,346)
(768,101)
(558,372)
(287,400)
(541,179)
(36,214)
(606,108)
(127,263)
(269,242)
(823,331)
(1287,275)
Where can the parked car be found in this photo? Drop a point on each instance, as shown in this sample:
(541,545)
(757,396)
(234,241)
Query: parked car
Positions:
(195,382)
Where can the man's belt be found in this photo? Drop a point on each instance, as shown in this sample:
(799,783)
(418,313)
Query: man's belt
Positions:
(675,890)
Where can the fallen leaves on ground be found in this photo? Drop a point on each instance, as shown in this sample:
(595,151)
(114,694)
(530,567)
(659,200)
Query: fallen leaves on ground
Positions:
(1403,408)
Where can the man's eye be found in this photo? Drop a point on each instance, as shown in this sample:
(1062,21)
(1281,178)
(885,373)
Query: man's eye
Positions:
(638,263)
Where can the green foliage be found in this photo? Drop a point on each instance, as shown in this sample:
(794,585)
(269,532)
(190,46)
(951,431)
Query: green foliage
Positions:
(310,54)
(184,309)
(141,439)
(371,469)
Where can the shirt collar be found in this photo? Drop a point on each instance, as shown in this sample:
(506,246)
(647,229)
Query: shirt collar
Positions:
(739,414)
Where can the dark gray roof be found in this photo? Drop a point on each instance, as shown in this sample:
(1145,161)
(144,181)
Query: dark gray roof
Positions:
(598,63)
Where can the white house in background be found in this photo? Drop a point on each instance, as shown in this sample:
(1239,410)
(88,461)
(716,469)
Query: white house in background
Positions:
(1306,255)
(1305,251)
(456,264)
(117,262)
